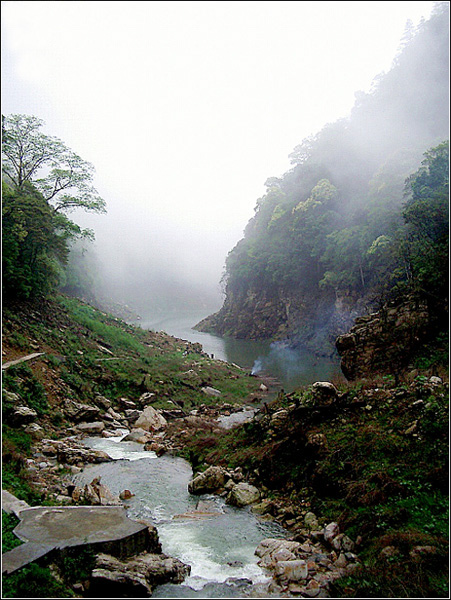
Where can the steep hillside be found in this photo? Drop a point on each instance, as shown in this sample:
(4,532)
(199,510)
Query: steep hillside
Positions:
(326,241)
(371,457)
(88,366)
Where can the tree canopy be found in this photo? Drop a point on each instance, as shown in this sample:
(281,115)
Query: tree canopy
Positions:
(43,182)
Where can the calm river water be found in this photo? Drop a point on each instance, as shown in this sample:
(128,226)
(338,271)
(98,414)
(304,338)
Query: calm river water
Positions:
(293,368)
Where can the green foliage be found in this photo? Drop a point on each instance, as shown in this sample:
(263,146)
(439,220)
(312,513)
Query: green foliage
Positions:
(20,379)
(426,214)
(9,540)
(15,445)
(34,581)
(76,564)
(36,228)
(33,251)
(28,153)
(335,224)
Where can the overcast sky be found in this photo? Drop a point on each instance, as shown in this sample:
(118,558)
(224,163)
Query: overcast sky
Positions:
(186,108)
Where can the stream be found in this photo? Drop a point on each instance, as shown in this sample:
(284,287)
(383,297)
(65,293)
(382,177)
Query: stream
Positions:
(220,548)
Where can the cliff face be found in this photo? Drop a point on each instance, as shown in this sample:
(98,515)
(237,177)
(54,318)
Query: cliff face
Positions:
(384,341)
(310,320)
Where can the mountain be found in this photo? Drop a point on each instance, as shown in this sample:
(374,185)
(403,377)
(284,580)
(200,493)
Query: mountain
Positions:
(326,242)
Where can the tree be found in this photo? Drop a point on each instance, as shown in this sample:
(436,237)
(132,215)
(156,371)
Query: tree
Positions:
(43,181)
(60,175)
(32,250)
(426,214)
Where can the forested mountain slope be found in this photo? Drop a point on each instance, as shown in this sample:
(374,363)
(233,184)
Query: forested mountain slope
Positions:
(339,233)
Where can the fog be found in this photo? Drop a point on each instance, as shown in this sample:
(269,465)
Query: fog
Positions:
(185,109)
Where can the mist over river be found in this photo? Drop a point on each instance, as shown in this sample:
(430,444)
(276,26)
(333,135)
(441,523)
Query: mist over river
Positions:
(293,368)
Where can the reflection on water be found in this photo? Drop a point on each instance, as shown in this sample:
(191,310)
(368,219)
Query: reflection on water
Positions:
(293,368)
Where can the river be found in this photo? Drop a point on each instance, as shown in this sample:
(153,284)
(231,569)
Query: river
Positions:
(220,548)
(293,368)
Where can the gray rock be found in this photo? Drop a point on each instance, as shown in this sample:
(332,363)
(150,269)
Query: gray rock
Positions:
(78,412)
(211,480)
(324,392)
(138,435)
(243,494)
(93,428)
(23,415)
(132,414)
(136,577)
(330,531)
(35,430)
(311,521)
(287,571)
(151,420)
(72,455)
(102,401)
(210,391)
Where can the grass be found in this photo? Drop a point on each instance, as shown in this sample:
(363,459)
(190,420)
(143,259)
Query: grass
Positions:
(9,539)
(377,481)
(34,581)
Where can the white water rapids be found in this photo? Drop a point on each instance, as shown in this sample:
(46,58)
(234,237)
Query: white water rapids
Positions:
(220,548)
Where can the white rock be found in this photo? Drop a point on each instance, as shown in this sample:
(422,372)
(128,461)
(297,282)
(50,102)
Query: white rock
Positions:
(291,570)
(151,420)
(331,531)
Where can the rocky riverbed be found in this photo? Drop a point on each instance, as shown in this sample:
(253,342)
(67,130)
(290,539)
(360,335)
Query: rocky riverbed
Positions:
(305,564)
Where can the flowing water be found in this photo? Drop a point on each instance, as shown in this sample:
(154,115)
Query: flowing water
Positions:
(220,548)
(293,368)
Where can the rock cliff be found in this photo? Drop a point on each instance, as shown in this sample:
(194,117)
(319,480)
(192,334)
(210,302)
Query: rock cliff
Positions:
(313,320)
(384,341)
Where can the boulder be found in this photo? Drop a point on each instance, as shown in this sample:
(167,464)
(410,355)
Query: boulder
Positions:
(127,404)
(94,428)
(132,414)
(262,508)
(243,494)
(106,496)
(95,493)
(210,391)
(288,571)
(211,480)
(72,454)
(269,546)
(151,420)
(23,415)
(279,418)
(35,430)
(342,542)
(146,398)
(137,435)
(78,412)
(324,392)
(311,521)
(10,397)
(102,402)
(116,416)
(136,577)
(126,495)
(118,582)
(330,532)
